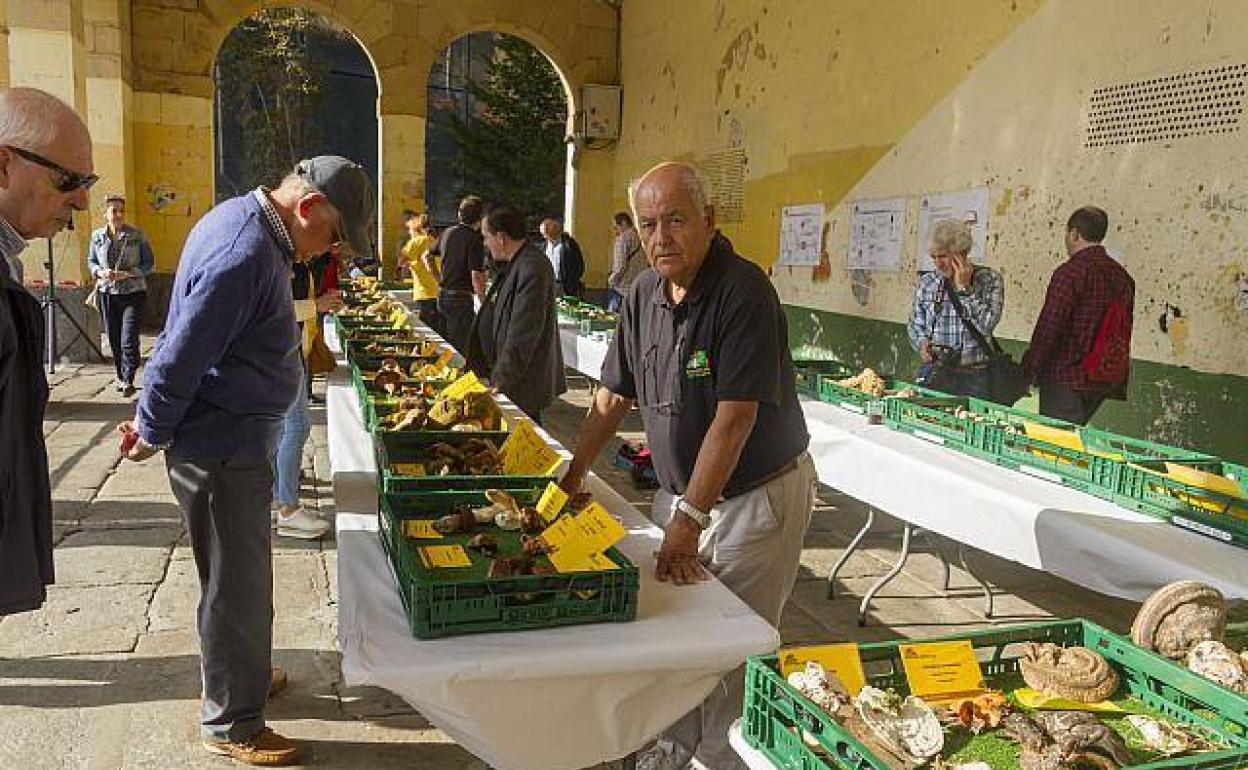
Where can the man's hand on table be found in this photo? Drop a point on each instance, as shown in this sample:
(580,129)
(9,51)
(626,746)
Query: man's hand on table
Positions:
(678,556)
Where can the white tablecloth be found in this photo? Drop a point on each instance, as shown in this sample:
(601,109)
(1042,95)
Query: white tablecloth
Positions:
(752,757)
(583,353)
(1083,539)
(537,700)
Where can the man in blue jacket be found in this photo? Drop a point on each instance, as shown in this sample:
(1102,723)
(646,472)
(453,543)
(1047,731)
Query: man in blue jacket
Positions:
(220,379)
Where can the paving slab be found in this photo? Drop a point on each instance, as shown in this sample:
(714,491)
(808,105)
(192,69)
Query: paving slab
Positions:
(78,620)
(115,556)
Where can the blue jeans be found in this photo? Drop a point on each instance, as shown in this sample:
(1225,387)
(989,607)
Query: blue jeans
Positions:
(289,458)
(614,300)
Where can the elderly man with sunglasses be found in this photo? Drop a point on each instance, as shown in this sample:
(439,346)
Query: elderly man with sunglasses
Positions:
(219,382)
(45,170)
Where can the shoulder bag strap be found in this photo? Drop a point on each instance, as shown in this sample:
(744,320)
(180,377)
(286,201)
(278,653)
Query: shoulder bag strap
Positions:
(994,348)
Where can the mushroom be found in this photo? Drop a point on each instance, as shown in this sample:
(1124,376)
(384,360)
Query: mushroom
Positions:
(461,519)
(486,545)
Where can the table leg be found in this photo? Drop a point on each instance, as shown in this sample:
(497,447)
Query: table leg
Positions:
(892,573)
(849,549)
(982,583)
(939,550)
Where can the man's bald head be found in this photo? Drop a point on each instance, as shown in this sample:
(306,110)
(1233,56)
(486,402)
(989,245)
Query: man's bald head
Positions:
(39,124)
(674,220)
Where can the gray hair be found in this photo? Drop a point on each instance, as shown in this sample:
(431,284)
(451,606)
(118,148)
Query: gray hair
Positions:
(297,185)
(690,176)
(31,119)
(952,236)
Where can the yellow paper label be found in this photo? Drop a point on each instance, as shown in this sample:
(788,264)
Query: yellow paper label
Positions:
(551,502)
(1032,699)
(577,541)
(409,469)
(463,386)
(594,562)
(839,659)
(942,671)
(442,556)
(421,529)
(525,453)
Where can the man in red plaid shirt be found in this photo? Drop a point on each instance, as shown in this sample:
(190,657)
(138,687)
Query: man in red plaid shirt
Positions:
(1075,307)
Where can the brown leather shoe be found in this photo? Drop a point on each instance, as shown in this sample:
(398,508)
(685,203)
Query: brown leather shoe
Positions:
(277,681)
(264,749)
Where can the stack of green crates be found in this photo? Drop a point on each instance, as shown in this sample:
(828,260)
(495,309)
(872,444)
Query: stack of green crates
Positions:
(417,447)
(463,600)
(777,716)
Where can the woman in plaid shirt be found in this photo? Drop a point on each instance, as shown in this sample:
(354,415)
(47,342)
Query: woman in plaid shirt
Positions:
(953,361)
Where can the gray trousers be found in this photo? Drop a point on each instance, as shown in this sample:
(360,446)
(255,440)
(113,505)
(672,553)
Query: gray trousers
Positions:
(226,506)
(753,546)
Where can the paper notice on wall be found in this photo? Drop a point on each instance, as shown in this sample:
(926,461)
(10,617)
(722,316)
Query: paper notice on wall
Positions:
(877,229)
(801,234)
(970,206)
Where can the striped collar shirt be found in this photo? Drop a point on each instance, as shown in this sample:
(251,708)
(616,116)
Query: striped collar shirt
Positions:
(275,220)
(11,245)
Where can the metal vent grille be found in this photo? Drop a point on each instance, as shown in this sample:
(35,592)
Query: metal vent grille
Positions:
(725,173)
(1209,101)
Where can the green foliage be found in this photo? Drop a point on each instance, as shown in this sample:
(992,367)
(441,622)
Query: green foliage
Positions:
(511,149)
(275,88)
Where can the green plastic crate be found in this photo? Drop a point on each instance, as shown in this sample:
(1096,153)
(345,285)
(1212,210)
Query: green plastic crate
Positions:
(377,409)
(808,372)
(451,602)
(414,447)
(384,346)
(776,714)
(856,401)
(941,420)
(1220,516)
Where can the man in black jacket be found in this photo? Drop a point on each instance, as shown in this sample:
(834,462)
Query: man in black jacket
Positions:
(565,258)
(45,170)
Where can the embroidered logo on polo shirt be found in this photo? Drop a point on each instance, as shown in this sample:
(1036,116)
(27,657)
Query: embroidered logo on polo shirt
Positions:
(698,365)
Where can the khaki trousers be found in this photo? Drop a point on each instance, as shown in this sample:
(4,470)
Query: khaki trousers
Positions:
(753,546)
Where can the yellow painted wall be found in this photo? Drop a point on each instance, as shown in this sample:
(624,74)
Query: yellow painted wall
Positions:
(172,169)
(834,102)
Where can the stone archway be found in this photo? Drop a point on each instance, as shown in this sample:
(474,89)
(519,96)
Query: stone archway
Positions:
(174,44)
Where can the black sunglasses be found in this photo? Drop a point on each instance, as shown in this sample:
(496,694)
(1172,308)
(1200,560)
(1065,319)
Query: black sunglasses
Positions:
(68,181)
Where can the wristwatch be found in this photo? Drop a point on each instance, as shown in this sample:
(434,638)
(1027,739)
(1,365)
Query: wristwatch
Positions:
(697,515)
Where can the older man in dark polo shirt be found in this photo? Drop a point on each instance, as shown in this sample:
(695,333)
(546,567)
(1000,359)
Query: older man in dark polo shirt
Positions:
(702,349)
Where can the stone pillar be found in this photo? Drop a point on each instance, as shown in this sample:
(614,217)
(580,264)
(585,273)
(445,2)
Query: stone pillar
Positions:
(4,44)
(47,50)
(110,100)
(401,160)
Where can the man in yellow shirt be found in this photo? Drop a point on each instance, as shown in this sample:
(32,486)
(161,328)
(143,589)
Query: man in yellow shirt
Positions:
(424,280)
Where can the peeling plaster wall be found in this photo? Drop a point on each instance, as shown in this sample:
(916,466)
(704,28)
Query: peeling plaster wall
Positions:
(837,102)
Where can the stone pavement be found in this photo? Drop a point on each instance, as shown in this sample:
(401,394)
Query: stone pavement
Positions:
(105,676)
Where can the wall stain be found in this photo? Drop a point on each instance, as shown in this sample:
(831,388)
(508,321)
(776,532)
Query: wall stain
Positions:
(861,283)
(736,56)
(159,196)
(1007,198)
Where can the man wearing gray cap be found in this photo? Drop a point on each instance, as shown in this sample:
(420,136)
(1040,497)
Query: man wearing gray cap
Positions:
(219,381)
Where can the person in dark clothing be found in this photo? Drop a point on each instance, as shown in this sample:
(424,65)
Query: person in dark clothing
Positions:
(45,170)
(515,340)
(565,258)
(1090,296)
(462,274)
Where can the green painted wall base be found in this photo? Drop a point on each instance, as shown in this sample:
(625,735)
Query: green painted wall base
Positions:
(1167,404)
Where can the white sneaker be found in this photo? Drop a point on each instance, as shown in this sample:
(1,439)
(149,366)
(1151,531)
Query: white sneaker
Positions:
(302,525)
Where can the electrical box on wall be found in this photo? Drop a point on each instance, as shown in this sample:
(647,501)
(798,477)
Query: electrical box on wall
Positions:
(600,112)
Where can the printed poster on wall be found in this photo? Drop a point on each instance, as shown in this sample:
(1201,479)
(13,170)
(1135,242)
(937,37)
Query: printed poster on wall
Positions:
(877,229)
(970,206)
(801,234)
